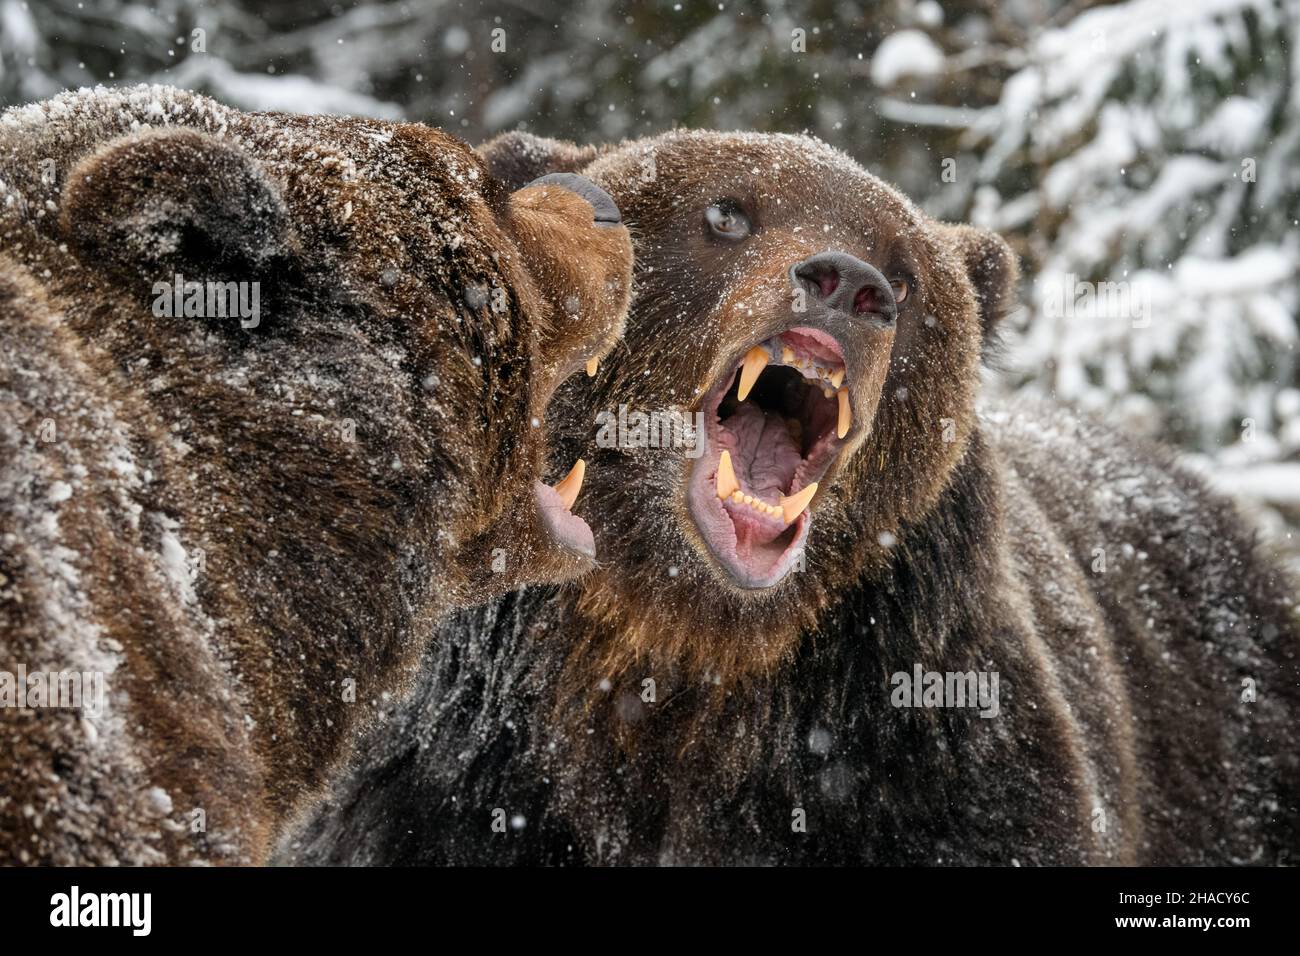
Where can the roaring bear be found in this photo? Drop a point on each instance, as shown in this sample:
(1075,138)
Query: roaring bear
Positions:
(272,401)
(871,617)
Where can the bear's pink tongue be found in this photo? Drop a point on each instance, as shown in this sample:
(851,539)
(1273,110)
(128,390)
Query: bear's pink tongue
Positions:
(763,453)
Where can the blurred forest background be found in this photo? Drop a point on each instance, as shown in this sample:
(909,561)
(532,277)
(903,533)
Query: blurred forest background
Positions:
(1154,144)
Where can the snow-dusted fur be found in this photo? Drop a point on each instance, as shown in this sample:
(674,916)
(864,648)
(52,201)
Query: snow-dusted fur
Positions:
(1147,653)
(249,531)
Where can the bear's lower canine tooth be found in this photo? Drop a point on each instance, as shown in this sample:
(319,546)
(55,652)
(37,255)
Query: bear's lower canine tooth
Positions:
(571,484)
(727,482)
(755,361)
(793,506)
(846,416)
(592,365)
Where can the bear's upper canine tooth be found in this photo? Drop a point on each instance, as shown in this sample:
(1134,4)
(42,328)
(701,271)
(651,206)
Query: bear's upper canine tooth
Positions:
(793,506)
(727,482)
(837,378)
(846,416)
(569,486)
(756,360)
(592,365)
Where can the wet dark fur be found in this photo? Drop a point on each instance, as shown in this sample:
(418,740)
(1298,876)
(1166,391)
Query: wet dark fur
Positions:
(1219,778)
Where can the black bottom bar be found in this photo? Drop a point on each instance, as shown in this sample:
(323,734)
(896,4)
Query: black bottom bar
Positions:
(335,906)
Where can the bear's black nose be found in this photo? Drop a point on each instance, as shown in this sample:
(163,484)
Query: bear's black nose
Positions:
(846,284)
(606,211)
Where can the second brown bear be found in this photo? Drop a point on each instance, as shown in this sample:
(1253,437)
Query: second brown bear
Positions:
(272,400)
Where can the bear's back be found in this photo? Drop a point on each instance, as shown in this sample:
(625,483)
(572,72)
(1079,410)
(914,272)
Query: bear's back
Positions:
(1195,631)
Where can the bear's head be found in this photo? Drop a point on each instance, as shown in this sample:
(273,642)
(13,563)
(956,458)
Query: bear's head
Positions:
(364,245)
(829,335)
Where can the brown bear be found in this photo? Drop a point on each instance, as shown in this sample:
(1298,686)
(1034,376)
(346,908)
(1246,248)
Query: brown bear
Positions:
(869,619)
(272,392)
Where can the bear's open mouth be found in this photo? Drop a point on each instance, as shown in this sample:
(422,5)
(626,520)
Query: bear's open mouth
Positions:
(774,425)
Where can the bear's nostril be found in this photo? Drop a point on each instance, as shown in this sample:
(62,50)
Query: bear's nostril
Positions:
(843,284)
(825,278)
(870,299)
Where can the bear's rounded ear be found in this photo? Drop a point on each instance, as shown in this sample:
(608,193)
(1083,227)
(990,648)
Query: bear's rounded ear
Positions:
(993,271)
(175,201)
(516,159)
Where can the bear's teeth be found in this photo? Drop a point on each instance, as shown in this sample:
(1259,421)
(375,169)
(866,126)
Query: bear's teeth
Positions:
(727,482)
(758,504)
(834,377)
(793,506)
(755,361)
(569,486)
(846,416)
(592,365)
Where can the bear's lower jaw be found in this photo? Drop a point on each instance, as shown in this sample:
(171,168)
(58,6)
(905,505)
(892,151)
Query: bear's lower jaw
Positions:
(773,427)
(565,528)
(737,542)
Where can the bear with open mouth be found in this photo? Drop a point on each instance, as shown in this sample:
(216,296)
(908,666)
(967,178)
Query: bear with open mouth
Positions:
(274,397)
(864,618)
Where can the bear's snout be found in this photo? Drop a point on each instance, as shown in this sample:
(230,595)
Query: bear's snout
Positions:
(845,284)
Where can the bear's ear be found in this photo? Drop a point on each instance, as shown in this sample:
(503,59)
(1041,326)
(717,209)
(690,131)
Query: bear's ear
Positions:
(993,272)
(516,159)
(175,201)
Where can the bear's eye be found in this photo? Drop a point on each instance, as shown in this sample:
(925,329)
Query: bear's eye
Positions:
(726,220)
(901,286)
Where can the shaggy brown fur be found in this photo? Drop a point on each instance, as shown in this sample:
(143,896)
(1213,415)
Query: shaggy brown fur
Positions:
(957,540)
(251,530)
